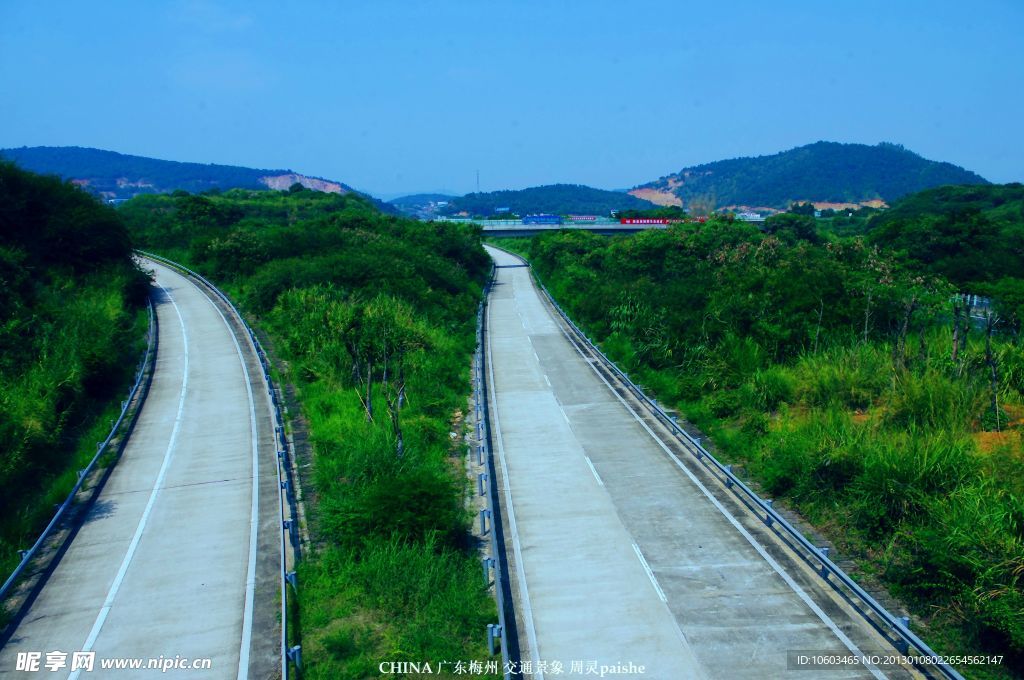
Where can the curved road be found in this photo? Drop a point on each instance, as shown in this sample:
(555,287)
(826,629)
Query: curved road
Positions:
(177,557)
(619,554)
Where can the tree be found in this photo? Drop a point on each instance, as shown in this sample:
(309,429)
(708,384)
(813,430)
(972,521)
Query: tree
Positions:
(792,227)
(394,338)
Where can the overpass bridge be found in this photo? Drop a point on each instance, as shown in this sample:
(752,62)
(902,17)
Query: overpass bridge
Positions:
(519,229)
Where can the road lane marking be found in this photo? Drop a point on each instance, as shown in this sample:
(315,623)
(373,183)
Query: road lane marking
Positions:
(850,644)
(254,516)
(650,574)
(108,602)
(593,469)
(546,380)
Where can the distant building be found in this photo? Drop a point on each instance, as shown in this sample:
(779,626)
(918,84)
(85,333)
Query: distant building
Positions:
(748,216)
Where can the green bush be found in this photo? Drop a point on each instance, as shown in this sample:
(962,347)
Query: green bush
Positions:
(853,377)
(773,386)
(933,400)
(411,505)
(724,403)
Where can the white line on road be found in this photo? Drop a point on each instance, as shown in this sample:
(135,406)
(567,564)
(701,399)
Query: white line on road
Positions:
(593,469)
(546,380)
(101,618)
(650,574)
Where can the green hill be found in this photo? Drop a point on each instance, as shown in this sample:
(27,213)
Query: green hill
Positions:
(560,199)
(109,174)
(1001,202)
(820,172)
(972,235)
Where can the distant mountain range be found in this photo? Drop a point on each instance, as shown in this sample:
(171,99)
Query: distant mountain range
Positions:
(553,198)
(114,175)
(827,174)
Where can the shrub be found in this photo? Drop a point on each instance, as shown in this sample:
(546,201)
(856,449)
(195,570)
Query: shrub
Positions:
(773,386)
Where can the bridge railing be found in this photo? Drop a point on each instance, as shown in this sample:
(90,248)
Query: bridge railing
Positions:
(290,655)
(897,627)
(127,416)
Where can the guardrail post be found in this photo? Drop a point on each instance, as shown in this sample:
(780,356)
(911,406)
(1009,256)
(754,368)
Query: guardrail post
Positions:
(728,478)
(824,568)
(768,514)
(480,454)
(488,564)
(493,633)
(484,514)
(293,579)
(295,654)
(480,479)
(901,643)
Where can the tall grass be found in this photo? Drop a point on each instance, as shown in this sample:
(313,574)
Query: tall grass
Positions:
(56,405)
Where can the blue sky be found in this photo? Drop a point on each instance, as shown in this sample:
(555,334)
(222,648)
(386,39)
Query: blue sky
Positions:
(396,97)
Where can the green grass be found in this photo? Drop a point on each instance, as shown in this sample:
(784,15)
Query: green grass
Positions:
(68,434)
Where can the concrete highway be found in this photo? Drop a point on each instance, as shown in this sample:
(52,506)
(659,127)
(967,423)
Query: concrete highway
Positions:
(619,553)
(177,558)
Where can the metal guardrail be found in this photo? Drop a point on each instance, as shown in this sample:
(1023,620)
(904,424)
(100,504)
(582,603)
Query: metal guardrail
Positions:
(486,482)
(126,405)
(288,526)
(898,626)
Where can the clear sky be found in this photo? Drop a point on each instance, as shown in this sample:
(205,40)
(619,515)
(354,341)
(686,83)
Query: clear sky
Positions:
(404,96)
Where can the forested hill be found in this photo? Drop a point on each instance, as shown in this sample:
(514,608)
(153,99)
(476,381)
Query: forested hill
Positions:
(115,175)
(823,172)
(560,199)
(972,235)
